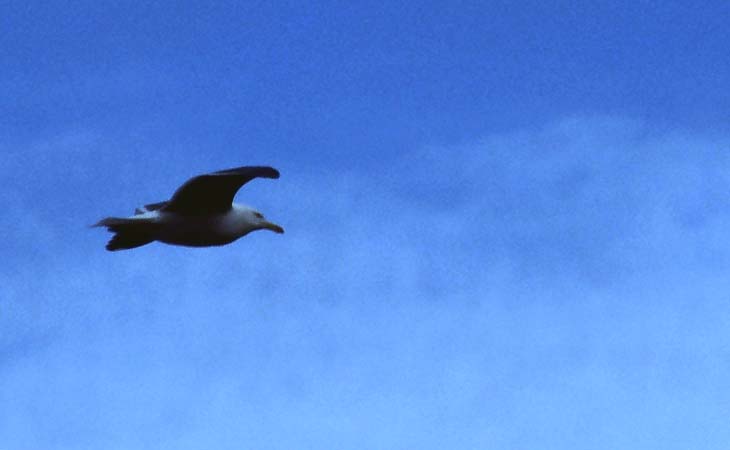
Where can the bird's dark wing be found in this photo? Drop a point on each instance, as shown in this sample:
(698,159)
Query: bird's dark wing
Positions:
(150,207)
(213,193)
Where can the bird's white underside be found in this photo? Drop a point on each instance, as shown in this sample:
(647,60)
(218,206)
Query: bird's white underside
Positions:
(218,229)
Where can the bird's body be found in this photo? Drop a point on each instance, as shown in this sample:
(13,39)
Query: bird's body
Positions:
(200,214)
(200,231)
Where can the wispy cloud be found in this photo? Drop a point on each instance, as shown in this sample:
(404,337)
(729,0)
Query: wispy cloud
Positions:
(570,280)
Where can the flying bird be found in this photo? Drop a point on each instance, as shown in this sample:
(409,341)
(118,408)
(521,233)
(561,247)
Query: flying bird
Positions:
(201,213)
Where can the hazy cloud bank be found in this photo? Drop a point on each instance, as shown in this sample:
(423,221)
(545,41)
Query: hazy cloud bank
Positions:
(571,280)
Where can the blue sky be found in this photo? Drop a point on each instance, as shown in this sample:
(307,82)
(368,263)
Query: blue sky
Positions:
(506,226)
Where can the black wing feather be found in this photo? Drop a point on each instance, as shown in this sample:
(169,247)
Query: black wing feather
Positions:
(213,193)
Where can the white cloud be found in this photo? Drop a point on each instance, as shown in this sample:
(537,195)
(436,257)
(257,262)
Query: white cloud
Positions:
(570,281)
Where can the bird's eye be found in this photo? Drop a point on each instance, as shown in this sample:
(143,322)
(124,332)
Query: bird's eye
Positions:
(258,215)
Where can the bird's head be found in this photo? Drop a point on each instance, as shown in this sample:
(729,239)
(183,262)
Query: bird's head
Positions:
(254,220)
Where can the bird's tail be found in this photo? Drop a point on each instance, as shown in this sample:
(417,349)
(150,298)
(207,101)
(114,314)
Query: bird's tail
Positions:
(128,233)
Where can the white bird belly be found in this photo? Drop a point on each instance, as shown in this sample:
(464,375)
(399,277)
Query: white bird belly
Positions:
(194,231)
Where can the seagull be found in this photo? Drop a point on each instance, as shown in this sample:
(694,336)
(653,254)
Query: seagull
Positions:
(201,213)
